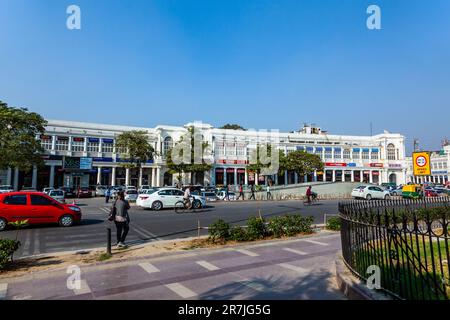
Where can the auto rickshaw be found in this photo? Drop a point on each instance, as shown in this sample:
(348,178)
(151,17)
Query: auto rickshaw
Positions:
(412,191)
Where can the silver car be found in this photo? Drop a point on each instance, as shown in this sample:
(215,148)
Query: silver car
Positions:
(57,195)
(100,191)
(131,195)
(6,188)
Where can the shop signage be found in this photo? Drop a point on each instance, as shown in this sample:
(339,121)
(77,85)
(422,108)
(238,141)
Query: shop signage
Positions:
(366,172)
(85,163)
(44,137)
(395,165)
(102,159)
(78,139)
(108,140)
(421,164)
(351,164)
(93,140)
(376,165)
(71,163)
(335,164)
(375,173)
(230,170)
(219,170)
(440,172)
(241,170)
(62,138)
(225,161)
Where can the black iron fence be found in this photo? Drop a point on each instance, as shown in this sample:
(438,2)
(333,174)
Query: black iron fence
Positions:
(407,241)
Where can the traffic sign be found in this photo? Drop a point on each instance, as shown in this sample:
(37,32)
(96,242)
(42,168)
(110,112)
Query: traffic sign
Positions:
(421,164)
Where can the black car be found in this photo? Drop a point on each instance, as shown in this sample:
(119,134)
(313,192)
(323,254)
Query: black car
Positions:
(68,192)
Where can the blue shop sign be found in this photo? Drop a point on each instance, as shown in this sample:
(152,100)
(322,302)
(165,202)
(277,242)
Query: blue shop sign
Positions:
(365,150)
(328,149)
(319,149)
(352,164)
(108,140)
(356,149)
(300,148)
(309,148)
(86,163)
(103,159)
(375,150)
(94,140)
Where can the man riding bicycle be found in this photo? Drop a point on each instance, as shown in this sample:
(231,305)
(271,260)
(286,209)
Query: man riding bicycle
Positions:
(310,194)
(187,197)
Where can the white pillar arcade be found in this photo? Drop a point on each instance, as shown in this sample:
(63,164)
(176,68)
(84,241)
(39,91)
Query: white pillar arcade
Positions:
(113,176)
(224,176)
(256,179)
(285,177)
(99,175)
(16,179)
(235,177)
(127,176)
(352,173)
(140,177)
(296,178)
(246,177)
(51,182)
(153,177)
(34,178)
(371,177)
(334,175)
(315,176)
(9,176)
(158,178)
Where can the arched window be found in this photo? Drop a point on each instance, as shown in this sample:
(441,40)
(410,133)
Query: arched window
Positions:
(168,142)
(391,152)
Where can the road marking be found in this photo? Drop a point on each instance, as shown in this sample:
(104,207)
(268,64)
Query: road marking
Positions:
(145,233)
(254,285)
(22,297)
(37,244)
(316,242)
(84,288)
(26,246)
(248,253)
(149,267)
(105,210)
(294,268)
(181,290)
(295,251)
(3,290)
(207,265)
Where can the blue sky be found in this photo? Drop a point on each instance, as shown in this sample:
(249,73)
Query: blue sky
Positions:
(264,64)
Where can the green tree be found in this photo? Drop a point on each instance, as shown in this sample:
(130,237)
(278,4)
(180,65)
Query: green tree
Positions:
(20,144)
(258,166)
(232,127)
(301,162)
(134,148)
(190,166)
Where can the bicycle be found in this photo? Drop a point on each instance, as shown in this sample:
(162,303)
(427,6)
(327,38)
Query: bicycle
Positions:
(314,199)
(182,206)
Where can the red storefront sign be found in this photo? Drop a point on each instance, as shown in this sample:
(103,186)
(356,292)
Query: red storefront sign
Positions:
(77,139)
(43,137)
(335,164)
(375,173)
(376,165)
(219,170)
(230,170)
(241,170)
(224,161)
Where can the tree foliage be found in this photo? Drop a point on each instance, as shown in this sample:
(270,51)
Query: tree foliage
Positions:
(258,166)
(232,127)
(301,162)
(134,148)
(20,144)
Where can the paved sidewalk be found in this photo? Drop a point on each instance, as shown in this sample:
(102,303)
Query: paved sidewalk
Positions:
(291,269)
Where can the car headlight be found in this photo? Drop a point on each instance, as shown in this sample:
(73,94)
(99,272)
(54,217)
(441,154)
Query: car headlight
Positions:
(76,209)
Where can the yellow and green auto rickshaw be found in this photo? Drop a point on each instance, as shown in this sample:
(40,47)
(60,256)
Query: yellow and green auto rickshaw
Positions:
(412,191)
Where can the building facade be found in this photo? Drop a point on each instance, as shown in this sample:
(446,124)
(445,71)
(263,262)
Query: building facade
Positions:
(372,159)
(440,168)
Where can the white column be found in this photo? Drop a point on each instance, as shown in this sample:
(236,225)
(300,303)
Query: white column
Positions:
(99,175)
(371,177)
(315,176)
(16,179)
(246,177)
(113,176)
(51,182)
(352,175)
(8,176)
(285,177)
(256,179)
(334,175)
(158,178)
(53,143)
(295,178)
(224,176)
(127,176)
(34,178)
(153,177)
(140,177)
(235,177)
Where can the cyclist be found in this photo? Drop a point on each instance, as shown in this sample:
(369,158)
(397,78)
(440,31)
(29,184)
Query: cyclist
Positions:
(309,194)
(187,197)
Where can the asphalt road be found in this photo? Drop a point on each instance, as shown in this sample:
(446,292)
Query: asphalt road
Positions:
(147,225)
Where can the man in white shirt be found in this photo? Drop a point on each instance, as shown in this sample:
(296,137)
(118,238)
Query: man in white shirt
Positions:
(187,195)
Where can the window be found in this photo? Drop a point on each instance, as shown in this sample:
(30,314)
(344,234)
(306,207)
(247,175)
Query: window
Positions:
(62,144)
(17,200)
(107,147)
(328,154)
(375,156)
(165,193)
(356,155)
(391,152)
(46,142)
(92,146)
(78,144)
(346,154)
(231,150)
(219,149)
(240,149)
(337,154)
(168,143)
(365,155)
(37,200)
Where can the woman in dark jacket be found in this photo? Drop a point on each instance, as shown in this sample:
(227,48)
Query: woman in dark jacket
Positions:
(121,219)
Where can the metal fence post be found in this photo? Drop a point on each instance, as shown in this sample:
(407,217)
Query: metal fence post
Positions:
(108,241)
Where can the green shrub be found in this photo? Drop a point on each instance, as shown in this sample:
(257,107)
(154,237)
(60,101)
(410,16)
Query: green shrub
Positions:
(237,233)
(7,249)
(219,230)
(303,224)
(256,228)
(334,223)
(276,227)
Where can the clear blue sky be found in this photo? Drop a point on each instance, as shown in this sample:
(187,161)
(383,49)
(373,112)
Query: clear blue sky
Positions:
(259,63)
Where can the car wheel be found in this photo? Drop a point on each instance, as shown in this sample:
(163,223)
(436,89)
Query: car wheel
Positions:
(197,204)
(3,224)
(387,197)
(157,205)
(66,221)
(369,197)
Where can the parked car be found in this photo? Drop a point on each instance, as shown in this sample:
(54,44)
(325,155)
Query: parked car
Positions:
(47,190)
(68,192)
(440,189)
(396,192)
(100,191)
(430,192)
(57,195)
(166,198)
(144,187)
(131,195)
(222,195)
(84,192)
(210,196)
(28,189)
(37,208)
(6,188)
(370,192)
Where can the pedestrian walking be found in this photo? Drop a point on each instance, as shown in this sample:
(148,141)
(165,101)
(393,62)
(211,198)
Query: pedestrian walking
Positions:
(252,190)
(269,195)
(241,192)
(119,214)
(107,195)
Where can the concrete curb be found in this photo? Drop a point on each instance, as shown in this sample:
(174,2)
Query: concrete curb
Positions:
(352,287)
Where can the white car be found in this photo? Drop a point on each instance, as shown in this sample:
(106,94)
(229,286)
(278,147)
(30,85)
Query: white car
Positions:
(144,187)
(370,192)
(6,188)
(131,195)
(222,195)
(47,190)
(166,198)
(57,195)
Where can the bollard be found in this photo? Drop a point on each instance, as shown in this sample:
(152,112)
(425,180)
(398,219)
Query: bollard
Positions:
(108,241)
(198,228)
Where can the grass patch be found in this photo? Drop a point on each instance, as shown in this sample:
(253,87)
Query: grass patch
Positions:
(104,256)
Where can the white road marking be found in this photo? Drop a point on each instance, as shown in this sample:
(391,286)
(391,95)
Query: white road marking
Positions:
(181,290)
(36,242)
(294,268)
(22,297)
(248,253)
(316,242)
(145,233)
(149,267)
(3,290)
(207,265)
(84,288)
(254,285)
(26,246)
(295,251)
(105,210)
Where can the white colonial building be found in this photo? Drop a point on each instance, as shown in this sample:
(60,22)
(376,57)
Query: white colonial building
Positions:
(373,159)
(440,168)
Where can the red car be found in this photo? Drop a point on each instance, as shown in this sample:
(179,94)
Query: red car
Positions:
(84,193)
(37,208)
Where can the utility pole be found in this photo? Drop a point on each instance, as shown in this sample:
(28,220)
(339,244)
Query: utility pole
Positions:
(416,144)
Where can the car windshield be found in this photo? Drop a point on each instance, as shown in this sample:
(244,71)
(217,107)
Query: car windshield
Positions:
(210,194)
(57,193)
(131,192)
